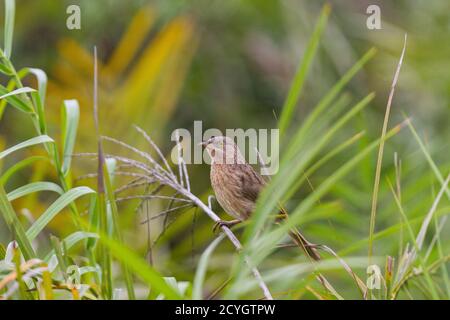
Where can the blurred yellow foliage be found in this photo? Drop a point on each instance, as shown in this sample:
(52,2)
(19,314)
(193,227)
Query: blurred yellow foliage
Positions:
(139,84)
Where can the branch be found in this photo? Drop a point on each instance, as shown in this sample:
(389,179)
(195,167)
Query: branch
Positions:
(182,187)
(232,238)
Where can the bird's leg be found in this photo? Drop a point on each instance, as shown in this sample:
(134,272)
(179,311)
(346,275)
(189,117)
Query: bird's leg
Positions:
(219,224)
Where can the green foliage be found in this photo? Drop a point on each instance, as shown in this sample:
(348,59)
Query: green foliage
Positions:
(325,177)
(15,226)
(63,201)
(10,6)
(25,144)
(300,75)
(32,102)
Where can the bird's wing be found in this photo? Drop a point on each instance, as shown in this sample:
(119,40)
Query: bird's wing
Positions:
(251,183)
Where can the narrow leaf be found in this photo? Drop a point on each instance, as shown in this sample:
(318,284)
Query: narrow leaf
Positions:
(139,266)
(72,240)
(41,77)
(62,202)
(34,187)
(15,226)
(9,26)
(25,144)
(19,166)
(302,71)
(17,92)
(202,267)
(15,100)
(71,115)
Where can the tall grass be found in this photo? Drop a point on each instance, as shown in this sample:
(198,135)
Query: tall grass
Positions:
(37,265)
(32,103)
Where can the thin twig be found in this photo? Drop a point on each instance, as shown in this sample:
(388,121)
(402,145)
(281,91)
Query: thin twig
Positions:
(233,240)
(362,287)
(145,155)
(182,187)
(180,157)
(164,213)
(158,151)
(186,176)
(149,197)
(130,185)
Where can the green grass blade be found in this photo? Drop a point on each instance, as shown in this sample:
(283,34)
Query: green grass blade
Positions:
(10,8)
(15,226)
(426,222)
(102,204)
(25,144)
(341,147)
(73,239)
(280,187)
(140,267)
(443,267)
(258,251)
(376,183)
(110,165)
(62,202)
(41,77)
(34,187)
(2,252)
(12,83)
(103,252)
(23,292)
(93,222)
(17,92)
(329,97)
(416,246)
(71,115)
(60,255)
(137,265)
(15,100)
(389,231)
(302,71)
(308,202)
(202,267)
(19,166)
(428,157)
(6,71)
(40,112)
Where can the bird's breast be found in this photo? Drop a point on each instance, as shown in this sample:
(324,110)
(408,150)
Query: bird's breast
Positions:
(226,183)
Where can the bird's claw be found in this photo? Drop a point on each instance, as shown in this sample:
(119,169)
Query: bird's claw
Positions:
(219,224)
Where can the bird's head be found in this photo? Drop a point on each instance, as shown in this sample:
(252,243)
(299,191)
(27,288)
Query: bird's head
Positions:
(222,149)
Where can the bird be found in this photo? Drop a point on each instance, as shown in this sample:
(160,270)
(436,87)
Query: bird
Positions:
(237,186)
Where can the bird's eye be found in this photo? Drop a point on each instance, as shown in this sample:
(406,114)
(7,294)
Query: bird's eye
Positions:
(211,140)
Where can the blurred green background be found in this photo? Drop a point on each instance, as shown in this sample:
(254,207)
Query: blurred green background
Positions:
(164,64)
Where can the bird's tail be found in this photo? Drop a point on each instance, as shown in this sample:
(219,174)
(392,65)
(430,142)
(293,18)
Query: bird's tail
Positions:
(307,247)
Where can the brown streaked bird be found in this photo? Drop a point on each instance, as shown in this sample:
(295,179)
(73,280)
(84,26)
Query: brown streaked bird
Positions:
(237,186)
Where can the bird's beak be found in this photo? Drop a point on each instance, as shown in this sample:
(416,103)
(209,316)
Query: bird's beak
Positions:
(203,143)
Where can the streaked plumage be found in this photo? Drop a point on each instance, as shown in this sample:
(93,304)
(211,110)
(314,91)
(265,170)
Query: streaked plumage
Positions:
(237,185)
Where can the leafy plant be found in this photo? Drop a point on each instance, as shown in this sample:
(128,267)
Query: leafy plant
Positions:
(40,276)
(329,179)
